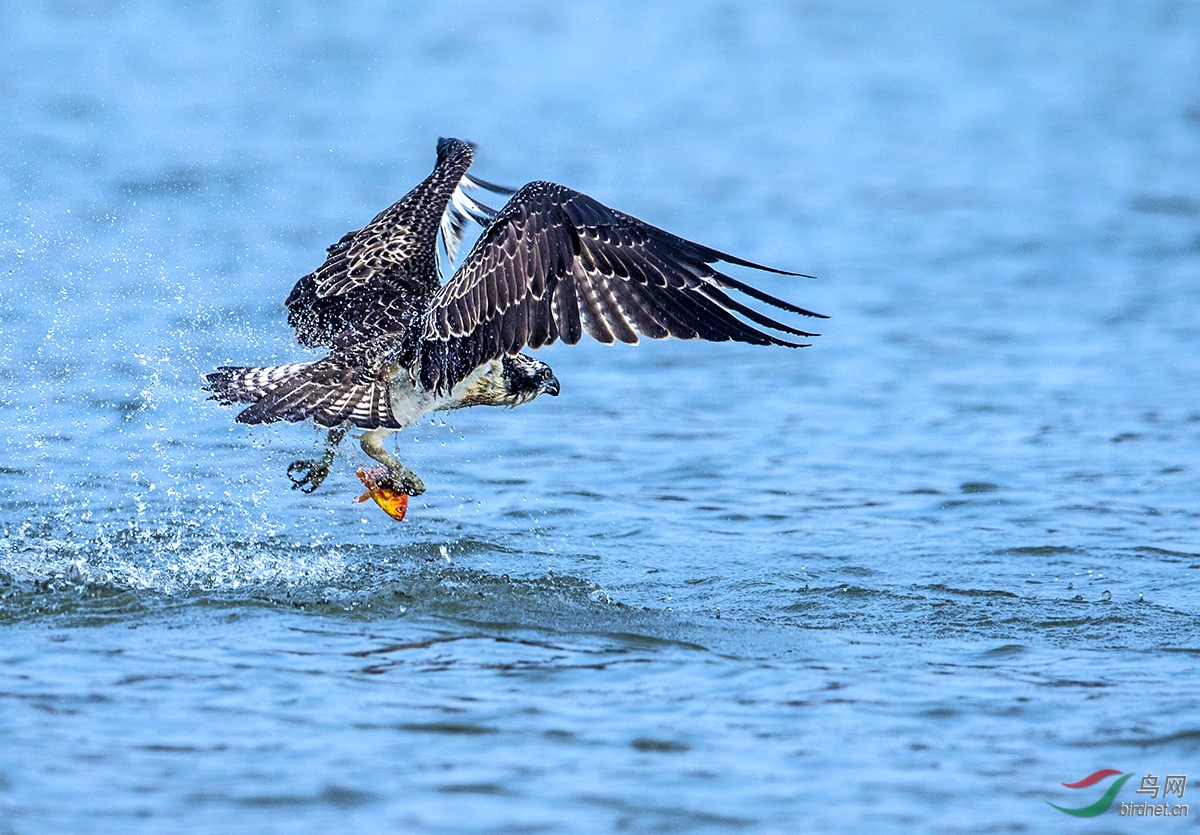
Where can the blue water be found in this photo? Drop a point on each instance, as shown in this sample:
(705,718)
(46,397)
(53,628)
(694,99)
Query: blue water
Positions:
(912,578)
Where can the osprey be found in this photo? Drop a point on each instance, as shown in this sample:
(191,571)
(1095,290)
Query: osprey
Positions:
(551,264)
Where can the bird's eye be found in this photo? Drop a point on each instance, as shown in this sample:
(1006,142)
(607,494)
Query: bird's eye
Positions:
(546,374)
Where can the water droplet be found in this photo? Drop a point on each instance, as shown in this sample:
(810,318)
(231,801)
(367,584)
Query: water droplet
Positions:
(1105,596)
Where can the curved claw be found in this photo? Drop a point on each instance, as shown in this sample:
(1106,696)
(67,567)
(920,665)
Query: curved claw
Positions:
(306,476)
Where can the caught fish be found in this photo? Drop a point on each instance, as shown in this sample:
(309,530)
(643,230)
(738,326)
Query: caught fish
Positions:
(382,489)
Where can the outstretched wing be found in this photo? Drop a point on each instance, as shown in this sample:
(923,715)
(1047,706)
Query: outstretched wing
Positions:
(556,263)
(375,280)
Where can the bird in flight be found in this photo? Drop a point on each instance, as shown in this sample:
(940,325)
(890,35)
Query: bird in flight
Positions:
(551,264)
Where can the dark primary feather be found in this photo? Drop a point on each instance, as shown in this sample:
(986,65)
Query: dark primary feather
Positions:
(555,264)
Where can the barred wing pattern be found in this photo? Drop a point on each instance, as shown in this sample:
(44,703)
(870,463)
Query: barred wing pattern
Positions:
(344,386)
(555,264)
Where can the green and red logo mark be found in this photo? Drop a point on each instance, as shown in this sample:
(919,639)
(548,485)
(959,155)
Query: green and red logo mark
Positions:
(1174,784)
(1106,799)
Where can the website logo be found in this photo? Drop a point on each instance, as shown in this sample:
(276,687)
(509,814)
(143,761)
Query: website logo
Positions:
(1173,784)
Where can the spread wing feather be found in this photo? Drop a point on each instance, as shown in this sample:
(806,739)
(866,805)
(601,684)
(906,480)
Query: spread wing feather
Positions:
(556,264)
(374,281)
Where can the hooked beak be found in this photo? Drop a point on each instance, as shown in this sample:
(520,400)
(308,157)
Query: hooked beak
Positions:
(552,388)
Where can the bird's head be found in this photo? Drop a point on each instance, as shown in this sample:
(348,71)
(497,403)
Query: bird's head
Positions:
(525,378)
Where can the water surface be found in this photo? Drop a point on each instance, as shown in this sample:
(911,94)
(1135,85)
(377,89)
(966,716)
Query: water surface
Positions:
(911,578)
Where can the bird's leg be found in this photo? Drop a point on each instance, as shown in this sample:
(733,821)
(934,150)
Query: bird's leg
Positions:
(307,475)
(403,478)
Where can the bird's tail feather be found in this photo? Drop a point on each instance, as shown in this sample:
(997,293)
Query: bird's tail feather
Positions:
(326,391)
(235,384)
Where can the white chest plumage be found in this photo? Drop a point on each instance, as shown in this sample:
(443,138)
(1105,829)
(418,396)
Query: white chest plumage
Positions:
(483,387)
